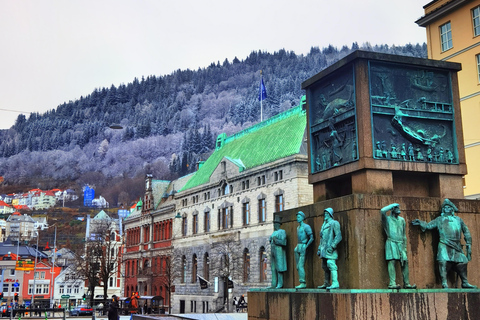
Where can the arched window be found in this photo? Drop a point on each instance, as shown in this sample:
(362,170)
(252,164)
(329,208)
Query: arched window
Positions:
(206,266)
(194,268)
(146,264)
(246,265)
(184,269)
(127,271)
(263,265)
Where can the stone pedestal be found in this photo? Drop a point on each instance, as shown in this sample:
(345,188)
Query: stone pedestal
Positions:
(361,254)
(363,304)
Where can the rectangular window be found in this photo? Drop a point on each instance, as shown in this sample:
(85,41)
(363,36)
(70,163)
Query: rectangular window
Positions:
(184,226)
(246,213)
(195,224)
(61,289)
(69,289)
(207,222)
(478,68)
(476,21)
(5,288)
(279,203)
(226,217)
(262,211)
(76,289)
(45,288)
(12,272)
(30,288)
(446,36)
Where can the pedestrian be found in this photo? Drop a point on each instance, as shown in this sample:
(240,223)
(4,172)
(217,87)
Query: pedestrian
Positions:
(113,310)
(235,303)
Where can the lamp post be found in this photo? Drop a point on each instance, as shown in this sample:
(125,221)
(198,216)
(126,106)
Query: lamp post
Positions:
(52,270)
(34,275)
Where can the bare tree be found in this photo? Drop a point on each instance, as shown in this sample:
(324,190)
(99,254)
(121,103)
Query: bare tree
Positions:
(167,275)
(98,260)
(229,262)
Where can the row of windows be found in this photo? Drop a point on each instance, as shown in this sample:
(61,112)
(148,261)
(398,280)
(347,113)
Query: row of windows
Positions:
(161,231)
(224,262)
(225,216)
(228,188)
(13,289)
(446,30)
(61,289)
(39,288)
(159,266)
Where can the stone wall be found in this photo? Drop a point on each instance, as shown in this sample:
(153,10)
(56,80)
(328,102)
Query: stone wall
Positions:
(375,304)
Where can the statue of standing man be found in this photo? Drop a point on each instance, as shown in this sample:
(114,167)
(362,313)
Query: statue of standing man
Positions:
(450,251)
(305,238)
(330,237)
(396,245)
(278,257)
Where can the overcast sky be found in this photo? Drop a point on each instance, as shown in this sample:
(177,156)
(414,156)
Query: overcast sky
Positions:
(55,51)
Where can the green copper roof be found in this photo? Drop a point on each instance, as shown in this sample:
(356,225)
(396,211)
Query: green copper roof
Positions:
(278,137)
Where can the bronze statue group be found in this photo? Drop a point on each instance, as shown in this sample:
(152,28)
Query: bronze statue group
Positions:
(450,251)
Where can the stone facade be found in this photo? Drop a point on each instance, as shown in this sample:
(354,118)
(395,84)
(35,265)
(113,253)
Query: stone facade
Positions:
(292,187)
(231,215)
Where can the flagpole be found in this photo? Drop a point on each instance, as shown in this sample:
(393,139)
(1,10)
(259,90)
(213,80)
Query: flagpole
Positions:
(261,98)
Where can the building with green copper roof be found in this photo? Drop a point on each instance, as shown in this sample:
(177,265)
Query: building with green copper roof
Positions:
(226,209)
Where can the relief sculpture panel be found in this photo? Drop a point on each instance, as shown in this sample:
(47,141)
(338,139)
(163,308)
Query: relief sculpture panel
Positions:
(412,114)
(332,121)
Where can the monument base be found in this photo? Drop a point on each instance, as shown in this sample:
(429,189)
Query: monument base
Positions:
(313,304)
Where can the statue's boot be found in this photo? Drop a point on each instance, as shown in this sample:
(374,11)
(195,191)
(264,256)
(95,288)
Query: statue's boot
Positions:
(327,281)
(335,284)
(301,285)
(462,272)
(280,281)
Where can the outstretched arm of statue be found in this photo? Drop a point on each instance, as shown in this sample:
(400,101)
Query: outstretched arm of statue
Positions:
(423,224)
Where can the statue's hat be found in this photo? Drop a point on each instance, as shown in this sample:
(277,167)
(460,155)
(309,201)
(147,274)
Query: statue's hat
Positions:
(329,211)
(277,219)
(301,213)
(447,202)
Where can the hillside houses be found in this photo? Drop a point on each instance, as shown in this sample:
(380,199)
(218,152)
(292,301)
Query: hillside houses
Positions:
(35,199)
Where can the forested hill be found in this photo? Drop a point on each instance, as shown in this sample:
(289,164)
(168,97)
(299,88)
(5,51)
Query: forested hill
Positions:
(167,121)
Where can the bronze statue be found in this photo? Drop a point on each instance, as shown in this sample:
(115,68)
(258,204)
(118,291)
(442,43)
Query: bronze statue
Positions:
(450,251)
(305,238)
(278,258)
(396,245)
(330,237)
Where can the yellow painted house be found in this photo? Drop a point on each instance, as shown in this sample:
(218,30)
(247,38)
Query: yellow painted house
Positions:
(453,34)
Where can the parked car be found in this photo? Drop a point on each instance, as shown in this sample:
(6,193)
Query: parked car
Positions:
(82,310)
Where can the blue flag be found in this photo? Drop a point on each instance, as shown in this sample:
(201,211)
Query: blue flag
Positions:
(262,95)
